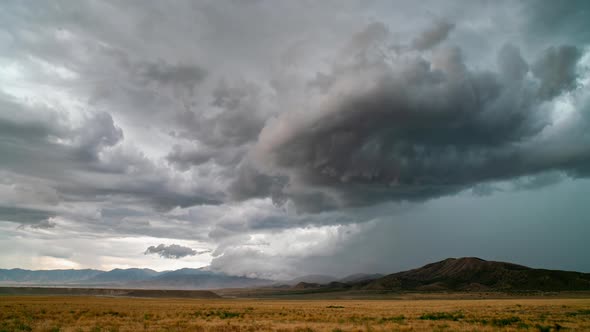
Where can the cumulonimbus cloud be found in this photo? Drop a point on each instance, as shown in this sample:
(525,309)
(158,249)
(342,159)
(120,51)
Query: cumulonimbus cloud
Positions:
(420,125)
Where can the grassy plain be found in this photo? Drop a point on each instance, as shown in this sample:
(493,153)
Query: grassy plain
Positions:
(81,313)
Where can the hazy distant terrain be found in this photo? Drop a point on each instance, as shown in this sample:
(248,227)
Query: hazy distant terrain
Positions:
(128,278)
(468,274)
(149,279)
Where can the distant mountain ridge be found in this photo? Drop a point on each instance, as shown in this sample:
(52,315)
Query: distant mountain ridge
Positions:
(186,278)
(452,274)
(123,275)
(183,279)
(46,276)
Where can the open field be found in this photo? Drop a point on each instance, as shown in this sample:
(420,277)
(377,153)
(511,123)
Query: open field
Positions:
(81,313)
(151,293)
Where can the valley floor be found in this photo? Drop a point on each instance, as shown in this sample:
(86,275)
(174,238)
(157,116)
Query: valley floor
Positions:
(82,313)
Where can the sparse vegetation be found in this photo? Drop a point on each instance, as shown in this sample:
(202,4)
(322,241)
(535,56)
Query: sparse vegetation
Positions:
(221,314)
(501,322)
(397,319)
(85,314)
(582,312)
(454,316)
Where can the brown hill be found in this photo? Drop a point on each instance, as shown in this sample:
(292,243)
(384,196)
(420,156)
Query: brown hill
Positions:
(475,274)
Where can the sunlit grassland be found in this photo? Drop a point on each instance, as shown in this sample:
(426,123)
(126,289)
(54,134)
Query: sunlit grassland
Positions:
(58,313)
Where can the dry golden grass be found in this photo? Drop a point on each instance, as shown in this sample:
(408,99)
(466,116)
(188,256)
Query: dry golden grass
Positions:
(58,313)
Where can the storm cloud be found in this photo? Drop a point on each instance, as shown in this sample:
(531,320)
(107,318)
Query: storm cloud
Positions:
(197,124)
(416,127)
(431,37)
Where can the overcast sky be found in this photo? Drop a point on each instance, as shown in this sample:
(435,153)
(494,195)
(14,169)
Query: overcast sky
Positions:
(281,138)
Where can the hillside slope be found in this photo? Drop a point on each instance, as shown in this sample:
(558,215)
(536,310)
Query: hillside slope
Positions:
(475,274)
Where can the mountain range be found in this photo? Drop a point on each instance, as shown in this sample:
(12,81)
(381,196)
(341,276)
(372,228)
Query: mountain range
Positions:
(186,278)
(452,274)
(129,278)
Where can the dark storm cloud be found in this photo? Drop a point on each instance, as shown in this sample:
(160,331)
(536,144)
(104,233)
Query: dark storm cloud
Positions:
(417,129)
(157,192)
(237,117)
(368,37)
(251,183)
(433,36)
(86,162)
(20,123)
(414,121)
(183,158)
(99,132)
(163,73)
(556,69)
(539,181)
(173,251)
(38,140)
(224,136)
(511,64)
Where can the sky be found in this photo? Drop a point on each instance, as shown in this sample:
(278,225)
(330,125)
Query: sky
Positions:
(280,138)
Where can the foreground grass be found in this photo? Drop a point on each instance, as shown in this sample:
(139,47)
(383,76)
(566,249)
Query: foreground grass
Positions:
(57,313)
